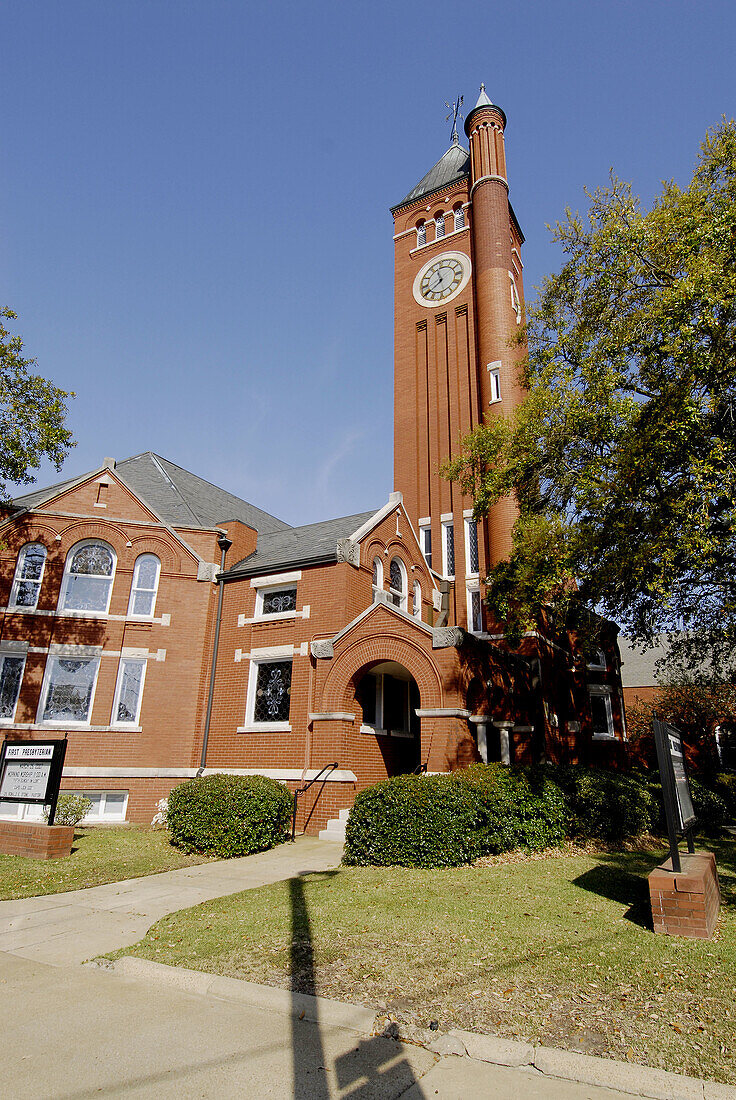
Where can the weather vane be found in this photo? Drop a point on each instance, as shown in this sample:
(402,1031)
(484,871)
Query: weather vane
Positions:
(454,109)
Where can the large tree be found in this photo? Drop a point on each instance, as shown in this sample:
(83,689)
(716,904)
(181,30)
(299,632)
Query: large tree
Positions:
(622,457)
(32,414)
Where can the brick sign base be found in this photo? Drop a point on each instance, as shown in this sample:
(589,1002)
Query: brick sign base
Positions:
(36,841)
(686,904)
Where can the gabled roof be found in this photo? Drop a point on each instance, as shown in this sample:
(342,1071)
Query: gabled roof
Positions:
(309,545)
(179,497)
(452,166)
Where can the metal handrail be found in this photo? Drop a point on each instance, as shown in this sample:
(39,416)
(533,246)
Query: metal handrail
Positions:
(420,769)
(301,790)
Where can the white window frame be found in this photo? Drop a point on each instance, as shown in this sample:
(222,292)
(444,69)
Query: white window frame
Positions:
(403,595)
(135,588)
(51,661)
(494,377)
(458,216)
(439,227)
(376,577)
(62,608)
(425,535)
(380,729)
(604,692)
(468,571)
(275,616)
(114,721)
(474,590)
(447,526)
(417,600)
(19,579)
(250,704)
(598,663)
(90,819)
(7,649)
(421,234)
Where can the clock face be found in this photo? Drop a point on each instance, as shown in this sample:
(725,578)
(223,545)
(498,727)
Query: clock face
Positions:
(442,278)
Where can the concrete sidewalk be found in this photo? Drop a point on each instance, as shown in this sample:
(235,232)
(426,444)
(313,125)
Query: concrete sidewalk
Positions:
(64,929)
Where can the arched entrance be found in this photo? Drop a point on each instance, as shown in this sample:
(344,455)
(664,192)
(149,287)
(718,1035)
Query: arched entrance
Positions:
(388,697)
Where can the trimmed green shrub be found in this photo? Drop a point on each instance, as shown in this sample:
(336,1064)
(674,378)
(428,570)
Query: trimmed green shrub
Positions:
(519,808)
(229,815)
(70,809)
(710,809)
(414,821)
(724,784)
(605,805)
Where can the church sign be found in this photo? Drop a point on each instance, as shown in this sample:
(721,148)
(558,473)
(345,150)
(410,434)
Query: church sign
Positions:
(30,773)
(678,805)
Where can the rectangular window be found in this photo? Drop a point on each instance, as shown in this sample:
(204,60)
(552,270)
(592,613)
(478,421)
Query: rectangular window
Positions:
(68,690)
(601,712)
(128,692)
(269,694)
(475,611)
(11,676)
(471,547)
(425,541)
(494,375)
(278,600)
(448,549)
(106,805)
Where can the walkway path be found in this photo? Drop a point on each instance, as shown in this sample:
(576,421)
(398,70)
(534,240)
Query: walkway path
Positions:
(63,929)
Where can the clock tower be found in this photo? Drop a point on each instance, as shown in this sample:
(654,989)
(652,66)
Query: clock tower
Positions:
(458,303)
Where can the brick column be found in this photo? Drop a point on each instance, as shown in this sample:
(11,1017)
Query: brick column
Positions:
(686,904)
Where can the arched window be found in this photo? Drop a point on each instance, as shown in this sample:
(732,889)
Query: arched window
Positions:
(397,583)
(144,587)
(377,577)
(421,234)
(459,216)
(88,576)
(439,226)
(28,575)
(417,606)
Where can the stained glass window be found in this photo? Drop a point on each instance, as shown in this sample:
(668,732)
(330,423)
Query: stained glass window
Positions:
(377,577)
(449,548)
(88,579)
(279,600)
(425,535)
(476,612)
(273,689)
(459,214)
(69,688)
(439,223)
(129,691)
(397,583)
(421,234)
(144,587)
(11,674)
(28,575)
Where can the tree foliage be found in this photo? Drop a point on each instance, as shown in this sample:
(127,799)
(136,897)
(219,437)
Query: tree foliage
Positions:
(622,457)
(32,414)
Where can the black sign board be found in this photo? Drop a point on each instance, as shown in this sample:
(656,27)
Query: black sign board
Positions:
(678,805)
(30,772)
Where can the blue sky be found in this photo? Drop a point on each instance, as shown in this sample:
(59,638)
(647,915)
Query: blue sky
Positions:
(194,223)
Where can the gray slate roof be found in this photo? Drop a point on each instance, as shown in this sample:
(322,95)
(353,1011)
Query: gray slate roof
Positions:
(178,496)
(315,542)
(452,166)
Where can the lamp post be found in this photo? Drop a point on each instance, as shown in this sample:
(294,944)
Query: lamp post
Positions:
(224,543)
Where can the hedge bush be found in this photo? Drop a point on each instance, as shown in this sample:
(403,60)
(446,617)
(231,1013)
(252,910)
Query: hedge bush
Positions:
(413,821)
(70,809)
(606,805)
(724,784)
(229,815)
(519,808)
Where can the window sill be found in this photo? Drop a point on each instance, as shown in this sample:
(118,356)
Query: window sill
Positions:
(374,731)
(605,737)
(265,727)
(74,726)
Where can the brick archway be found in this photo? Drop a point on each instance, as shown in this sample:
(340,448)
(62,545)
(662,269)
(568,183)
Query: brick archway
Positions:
(338,692)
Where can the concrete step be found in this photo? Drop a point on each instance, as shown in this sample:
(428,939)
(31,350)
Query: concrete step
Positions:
(335,829)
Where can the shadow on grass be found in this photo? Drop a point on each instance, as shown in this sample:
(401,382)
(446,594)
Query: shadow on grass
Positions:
(374,1067)
(622,876)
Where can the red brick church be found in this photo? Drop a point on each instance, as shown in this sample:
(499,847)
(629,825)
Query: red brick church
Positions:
(167,627)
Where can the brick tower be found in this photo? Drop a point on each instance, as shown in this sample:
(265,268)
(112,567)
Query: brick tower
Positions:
(458,301)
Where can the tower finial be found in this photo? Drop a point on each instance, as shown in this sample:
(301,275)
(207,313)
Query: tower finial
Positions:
(454,109)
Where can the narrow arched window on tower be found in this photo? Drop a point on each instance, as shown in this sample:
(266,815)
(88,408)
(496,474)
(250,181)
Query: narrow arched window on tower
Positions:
(377,578)
(398,583)
(421,234)
(459,216)
(439,226)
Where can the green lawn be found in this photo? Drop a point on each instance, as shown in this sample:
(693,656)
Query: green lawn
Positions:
(98,855)
(558,950)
